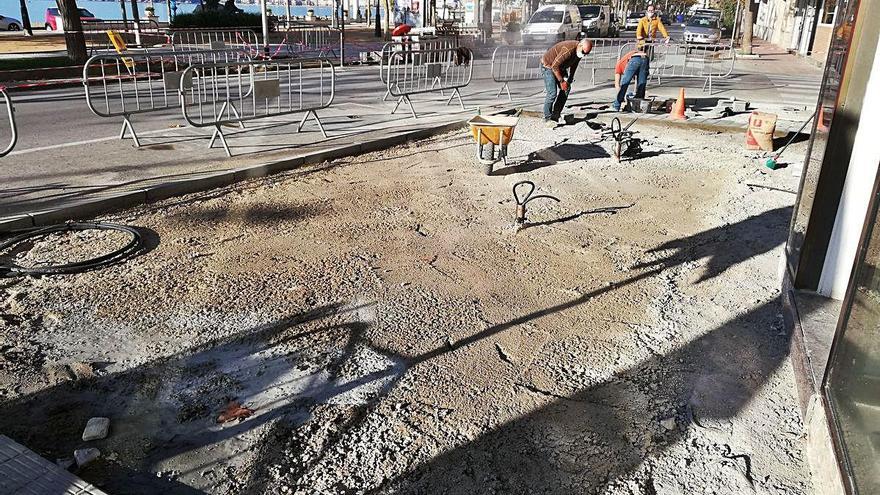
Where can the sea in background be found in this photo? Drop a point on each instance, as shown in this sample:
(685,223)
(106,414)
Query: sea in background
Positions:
(112,10)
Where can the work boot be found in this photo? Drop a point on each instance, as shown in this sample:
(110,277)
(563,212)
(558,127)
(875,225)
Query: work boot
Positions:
(550,124)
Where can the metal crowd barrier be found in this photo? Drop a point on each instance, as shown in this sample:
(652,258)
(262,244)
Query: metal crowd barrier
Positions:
(214,39)
(311,40)
(125,85)
(144,32)
(682,60)
(13,131)
(425,71)
(514,63)
(407,48)
(234,93)
(510,64)
(604,55)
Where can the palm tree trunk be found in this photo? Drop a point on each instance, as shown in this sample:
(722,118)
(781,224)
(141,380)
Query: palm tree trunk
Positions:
(73,34)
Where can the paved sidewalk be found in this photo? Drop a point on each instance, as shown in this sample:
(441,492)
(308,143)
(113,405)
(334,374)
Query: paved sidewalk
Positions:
(67,157)
(23,471)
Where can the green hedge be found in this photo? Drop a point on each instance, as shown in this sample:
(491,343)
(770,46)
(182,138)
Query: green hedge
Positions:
(218,19)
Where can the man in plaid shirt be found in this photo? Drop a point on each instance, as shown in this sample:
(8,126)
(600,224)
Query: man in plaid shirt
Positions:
(558,66)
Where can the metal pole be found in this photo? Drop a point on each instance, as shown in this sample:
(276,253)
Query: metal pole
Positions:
(341,34)
(265,19)
(288,12)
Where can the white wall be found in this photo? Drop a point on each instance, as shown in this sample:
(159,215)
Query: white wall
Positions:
(856,193)
(774,21)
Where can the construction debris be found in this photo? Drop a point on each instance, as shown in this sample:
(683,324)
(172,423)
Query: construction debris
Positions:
(84,457)
(96,429)
(234,410)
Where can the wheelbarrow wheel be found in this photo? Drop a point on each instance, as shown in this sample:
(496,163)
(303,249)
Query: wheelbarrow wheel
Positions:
(487,152)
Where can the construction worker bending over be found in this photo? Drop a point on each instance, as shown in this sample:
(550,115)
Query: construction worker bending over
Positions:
(558,66)
(649,25)
(633,64)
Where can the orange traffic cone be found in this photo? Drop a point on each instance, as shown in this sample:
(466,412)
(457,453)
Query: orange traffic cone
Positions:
(677,112)
(820,120)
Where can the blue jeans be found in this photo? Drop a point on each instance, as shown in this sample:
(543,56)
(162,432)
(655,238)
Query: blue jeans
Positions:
(554,102)
(635,66)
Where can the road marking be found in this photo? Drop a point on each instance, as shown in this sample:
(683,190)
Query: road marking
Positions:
(80,143)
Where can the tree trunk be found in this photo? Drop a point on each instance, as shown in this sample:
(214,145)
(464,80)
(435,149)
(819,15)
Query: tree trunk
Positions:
(124,15)
(378,30)
(486,15)
(25,18)
(135,13)
(388,15)
(533,6)
(73,34)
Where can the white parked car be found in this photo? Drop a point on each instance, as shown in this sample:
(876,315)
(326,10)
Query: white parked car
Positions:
(551,24)
(702,30)
(9,24)
(632,21)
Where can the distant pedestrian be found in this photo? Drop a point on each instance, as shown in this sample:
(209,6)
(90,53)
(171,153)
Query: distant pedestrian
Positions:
(648,27)
(558,66)
(633,64)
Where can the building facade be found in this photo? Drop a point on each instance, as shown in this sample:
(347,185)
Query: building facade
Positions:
(800,26)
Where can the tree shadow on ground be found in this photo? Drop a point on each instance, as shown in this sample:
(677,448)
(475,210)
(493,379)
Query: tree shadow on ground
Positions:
(604,426)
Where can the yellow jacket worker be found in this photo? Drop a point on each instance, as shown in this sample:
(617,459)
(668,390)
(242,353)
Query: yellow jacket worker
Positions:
(649,25)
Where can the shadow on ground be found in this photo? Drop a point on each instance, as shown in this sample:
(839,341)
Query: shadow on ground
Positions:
(168,407)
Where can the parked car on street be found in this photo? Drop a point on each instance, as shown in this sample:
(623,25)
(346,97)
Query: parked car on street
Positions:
(597,21)
(9,24)
(54,23)
(632,21)
(702,30)
(710,13)
(552,23)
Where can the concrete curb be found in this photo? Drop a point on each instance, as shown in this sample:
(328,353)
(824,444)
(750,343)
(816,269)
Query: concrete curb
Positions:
(87,209)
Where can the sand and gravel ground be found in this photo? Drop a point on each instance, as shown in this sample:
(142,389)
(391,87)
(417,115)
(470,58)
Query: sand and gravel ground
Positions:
(395,334)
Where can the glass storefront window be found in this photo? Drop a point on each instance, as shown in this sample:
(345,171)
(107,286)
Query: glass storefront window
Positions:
(840,100)
(853,381)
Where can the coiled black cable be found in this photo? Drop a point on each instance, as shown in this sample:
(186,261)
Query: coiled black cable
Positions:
(9,269)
